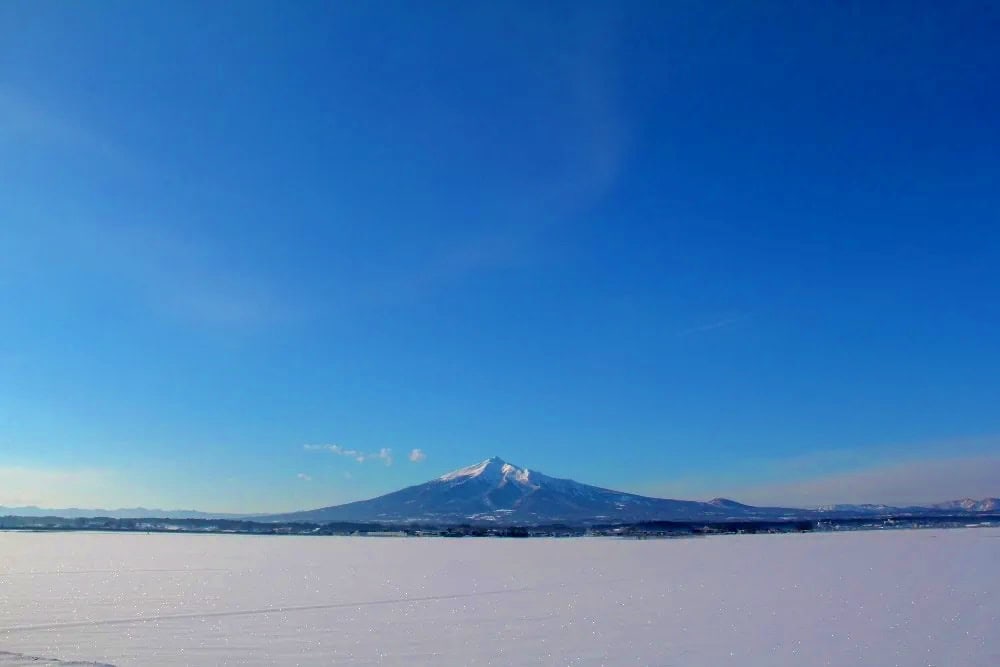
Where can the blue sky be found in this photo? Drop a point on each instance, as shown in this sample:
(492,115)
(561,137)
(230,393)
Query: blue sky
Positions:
(689,249)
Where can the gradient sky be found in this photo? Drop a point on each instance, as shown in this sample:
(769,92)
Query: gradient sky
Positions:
(691,249)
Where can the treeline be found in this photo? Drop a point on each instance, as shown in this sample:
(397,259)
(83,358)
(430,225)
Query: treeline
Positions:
(154,524)
(635,530)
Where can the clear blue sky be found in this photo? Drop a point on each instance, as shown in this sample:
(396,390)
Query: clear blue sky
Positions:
(680,248)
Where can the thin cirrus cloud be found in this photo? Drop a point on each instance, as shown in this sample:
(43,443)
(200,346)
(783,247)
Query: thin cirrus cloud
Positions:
(28,120)
(168,269)
(384,454)
(712,326)
(304,477)
(587,149)
(184,278)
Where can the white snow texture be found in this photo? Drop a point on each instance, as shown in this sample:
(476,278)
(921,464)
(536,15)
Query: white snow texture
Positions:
(916,597)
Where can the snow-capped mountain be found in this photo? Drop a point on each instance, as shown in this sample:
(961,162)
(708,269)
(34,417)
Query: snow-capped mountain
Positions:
(860,509)
(494,490)
(971,505)
(962,506)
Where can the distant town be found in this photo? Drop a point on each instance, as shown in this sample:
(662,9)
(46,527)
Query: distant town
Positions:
(639,530)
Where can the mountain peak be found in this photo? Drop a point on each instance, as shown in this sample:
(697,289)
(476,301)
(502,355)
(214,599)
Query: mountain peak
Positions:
(493,469)
(490,467)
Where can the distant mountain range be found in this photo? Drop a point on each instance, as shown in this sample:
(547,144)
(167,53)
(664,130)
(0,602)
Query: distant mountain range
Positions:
(121,513)
(969,505)
(498,492)
(495,491)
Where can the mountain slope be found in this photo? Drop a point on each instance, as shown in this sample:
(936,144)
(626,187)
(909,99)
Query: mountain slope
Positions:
(497,491)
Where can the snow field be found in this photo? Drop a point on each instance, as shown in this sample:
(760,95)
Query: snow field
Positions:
(917,597)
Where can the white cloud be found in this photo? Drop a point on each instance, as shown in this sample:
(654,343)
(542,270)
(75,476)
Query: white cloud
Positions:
(418,456)
(304,477)
(339,451)
(384,454)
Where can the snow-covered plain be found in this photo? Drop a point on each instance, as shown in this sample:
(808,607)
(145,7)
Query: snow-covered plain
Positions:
(920,597)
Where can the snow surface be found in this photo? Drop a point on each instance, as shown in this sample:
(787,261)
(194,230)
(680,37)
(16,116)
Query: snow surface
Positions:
(920,597)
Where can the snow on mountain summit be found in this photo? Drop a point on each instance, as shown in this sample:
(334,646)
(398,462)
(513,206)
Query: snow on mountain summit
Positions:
(488,468)
(494,470)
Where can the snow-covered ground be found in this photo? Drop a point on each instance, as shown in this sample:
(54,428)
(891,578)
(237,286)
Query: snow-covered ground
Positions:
(869,598)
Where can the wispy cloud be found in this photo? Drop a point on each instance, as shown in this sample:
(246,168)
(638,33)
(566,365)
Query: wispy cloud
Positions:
(418,456)
(182,276)
(712,326)
(29,120)
(384,454)
(587,146)
(304,477)
(174,272)
(355,454)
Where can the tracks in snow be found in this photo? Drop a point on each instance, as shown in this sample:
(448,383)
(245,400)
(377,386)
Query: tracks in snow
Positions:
(253,612)
(8,659)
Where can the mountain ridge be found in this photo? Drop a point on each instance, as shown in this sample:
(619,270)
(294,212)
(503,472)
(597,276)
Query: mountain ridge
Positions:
(496,491)
(119,513)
